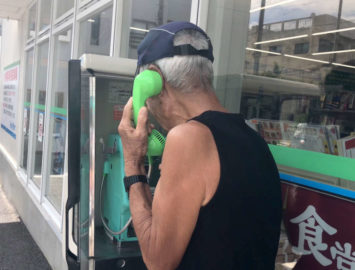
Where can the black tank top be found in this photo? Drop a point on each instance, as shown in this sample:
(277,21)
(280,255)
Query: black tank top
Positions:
(240,227)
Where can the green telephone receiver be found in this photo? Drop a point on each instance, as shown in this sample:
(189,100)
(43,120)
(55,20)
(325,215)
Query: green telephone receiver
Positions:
(148,84)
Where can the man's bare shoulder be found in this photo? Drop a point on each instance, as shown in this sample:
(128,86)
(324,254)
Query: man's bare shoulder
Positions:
(190,133)
(191,145)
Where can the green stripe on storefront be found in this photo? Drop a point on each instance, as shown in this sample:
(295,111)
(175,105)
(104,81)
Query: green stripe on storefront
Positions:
(12,65)
(55,110)
(40,107)
(321,163)
(58,110)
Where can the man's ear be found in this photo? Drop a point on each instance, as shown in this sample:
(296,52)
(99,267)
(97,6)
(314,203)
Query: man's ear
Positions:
(155,68)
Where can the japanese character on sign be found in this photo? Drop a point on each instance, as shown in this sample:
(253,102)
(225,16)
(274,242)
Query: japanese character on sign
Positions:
(345,258)
(311,228)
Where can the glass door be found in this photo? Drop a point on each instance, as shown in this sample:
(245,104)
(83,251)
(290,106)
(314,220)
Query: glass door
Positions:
(107,237)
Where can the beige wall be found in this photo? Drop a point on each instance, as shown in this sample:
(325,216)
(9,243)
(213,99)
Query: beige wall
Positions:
(11,52)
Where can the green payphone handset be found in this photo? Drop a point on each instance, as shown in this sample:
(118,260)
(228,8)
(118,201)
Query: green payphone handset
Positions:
(115,213)
(148,84)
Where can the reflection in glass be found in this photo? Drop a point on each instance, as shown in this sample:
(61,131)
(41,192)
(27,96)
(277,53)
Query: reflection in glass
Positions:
(63,6)
(112,93)
(299,82)
(27,105)
(58,118)
(41,80)
(149,14)
(45,14)
(95,33)
(32,13)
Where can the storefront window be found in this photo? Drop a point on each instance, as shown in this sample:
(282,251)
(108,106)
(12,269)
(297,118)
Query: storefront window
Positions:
(83,2)
(146,15)
(32,18)
(45,14)
(302,95)
(58,118)
(39,116)
(63,6)
(95,33)
(289,68)
(27,105)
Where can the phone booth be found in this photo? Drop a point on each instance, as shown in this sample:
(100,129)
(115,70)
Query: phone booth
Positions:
(99,231)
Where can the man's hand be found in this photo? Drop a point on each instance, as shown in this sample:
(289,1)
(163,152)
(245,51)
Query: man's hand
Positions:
(134,140)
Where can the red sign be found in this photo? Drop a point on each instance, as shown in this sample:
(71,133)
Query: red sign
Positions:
(350,144)
(320,227)
(118,112)
(11,75)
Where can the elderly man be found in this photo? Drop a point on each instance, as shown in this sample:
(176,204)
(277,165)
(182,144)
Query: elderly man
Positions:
(217,204)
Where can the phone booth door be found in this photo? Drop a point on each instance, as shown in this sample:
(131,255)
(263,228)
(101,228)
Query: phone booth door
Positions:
(100,235)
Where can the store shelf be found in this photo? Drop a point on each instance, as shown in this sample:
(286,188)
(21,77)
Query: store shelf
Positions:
(333,111)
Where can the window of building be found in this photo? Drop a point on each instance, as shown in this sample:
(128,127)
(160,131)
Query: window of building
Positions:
(32,18)
(95,33)
(58,118)
(63,6)
(305,23)
(39,115)
(301,48)
(45,14)
(290,25)
(146,15)
(27,106)
(325,45)
(275,48)
(276,27)
(43,157)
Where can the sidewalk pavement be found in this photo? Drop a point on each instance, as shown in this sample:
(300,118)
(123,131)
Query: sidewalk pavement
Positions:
(18,251)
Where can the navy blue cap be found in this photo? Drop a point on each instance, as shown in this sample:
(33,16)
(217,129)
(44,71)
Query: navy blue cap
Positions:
(159,43)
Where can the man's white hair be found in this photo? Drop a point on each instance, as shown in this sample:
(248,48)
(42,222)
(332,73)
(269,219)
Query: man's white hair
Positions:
(189,72)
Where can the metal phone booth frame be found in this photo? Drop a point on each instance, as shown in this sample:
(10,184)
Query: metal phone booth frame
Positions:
(99,86)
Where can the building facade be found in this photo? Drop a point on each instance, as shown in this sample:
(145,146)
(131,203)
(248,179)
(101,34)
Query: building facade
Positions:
(287,66)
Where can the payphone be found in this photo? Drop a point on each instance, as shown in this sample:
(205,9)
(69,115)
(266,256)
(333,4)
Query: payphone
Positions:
(101,235)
